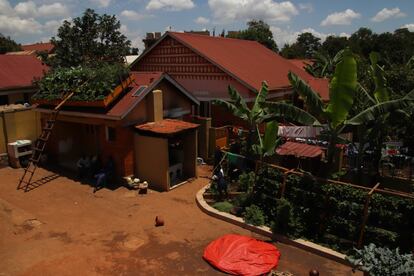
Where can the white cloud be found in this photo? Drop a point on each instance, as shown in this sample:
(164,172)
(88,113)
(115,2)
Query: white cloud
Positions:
(14,25)
(133,15)
(5,7)
(101,3)
(283,37)
(202,20)
(171,5)
(308,7)
(385,14)
(229,10)
(55,9)
(30,9)
(410,27)
(340,18)
(344,35)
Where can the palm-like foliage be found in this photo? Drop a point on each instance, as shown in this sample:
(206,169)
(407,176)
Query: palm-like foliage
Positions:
(343,91)
(324,65)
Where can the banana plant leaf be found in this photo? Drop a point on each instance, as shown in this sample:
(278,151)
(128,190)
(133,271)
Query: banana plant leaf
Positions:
(257,110)
(270,138)
(380,109)
(312,100)
(342,90)
(381,92)
(237,105)
(280,110)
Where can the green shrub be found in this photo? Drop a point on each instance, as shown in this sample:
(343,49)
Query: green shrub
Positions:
(246,182)
(284,217)
(380,261)
(254,215)
(223,206)
(88,83)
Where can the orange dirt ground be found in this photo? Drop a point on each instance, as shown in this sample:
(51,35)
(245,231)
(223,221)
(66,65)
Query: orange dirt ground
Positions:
(62,228)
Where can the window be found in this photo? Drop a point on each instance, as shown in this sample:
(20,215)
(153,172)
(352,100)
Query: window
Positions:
(110,134)
(4,99)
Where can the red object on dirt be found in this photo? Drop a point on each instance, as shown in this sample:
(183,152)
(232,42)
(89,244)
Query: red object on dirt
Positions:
(159,221)
(241,255)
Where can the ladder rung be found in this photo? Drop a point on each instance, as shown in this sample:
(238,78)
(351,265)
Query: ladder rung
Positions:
(43,139)
(38,149)
(34,160)
(47,129)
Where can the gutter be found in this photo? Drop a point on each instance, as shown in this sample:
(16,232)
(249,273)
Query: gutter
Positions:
(80,114)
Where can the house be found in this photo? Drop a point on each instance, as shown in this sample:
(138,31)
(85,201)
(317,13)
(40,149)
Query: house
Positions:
(35,49)
(205,66)
(128,128)
(17,74)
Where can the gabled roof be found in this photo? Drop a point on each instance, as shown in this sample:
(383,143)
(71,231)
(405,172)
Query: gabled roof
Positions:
(39,47)
(19,71)
(249,62)
(148,80)
(299,150)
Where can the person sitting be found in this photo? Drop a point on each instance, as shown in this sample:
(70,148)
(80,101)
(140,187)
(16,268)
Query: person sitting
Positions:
(104,174)
(83,165)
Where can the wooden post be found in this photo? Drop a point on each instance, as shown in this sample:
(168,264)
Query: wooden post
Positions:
(283,187)
(365,216)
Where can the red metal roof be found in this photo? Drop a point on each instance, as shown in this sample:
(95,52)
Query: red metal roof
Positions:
(248,61)
(301,63)
(129,100)
(19,71)
(299,150)
(321,86)
(39,47)
(166,126)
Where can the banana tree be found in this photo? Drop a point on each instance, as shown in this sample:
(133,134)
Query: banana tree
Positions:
(258,114)
(342,92)
(376,130)
(324,65)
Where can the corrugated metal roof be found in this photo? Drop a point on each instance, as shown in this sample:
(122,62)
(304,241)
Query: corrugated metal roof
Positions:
(129,100)
(39,47)
(299,150)
(19,71)
(166,126)
(248,61)
(301,63)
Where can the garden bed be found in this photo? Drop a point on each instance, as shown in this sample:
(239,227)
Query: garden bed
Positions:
(104,102)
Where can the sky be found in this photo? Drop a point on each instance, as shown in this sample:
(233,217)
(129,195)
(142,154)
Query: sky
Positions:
(38,20)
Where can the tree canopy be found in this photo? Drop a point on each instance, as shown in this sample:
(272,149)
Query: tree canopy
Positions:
(305,46)
(89,39)
(258,31)
(8,45)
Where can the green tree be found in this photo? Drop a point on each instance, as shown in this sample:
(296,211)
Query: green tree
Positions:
(333,44)
(8,45)
(89,39)
(343,91)
(362,42)
(258,31)
(306,46)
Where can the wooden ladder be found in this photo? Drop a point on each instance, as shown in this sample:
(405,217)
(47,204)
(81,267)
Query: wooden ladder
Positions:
(40,146)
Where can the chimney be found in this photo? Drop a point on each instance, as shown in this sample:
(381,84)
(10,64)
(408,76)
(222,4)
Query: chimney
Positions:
(154,106)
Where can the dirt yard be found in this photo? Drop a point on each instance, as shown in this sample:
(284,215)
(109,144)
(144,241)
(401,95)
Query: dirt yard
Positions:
(62,228)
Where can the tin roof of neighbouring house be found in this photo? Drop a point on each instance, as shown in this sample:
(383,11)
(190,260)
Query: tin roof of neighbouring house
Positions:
(299,150)
(249,62)
(39,47)
(301,63)
(19,71)
(166,127)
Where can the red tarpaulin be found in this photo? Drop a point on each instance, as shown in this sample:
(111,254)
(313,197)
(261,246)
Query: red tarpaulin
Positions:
(241,255)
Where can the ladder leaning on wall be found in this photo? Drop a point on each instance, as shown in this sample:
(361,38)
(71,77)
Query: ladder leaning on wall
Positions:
(40,146)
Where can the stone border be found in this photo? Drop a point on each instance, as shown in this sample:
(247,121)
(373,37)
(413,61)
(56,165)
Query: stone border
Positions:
(265,231)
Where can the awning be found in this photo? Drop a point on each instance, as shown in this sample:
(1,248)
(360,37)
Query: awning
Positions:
(299,150)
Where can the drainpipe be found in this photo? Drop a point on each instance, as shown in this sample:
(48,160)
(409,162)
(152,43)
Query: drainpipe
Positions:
(6,137)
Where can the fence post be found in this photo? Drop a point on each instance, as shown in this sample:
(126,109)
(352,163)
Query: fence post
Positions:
(365,216)
(283,187)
